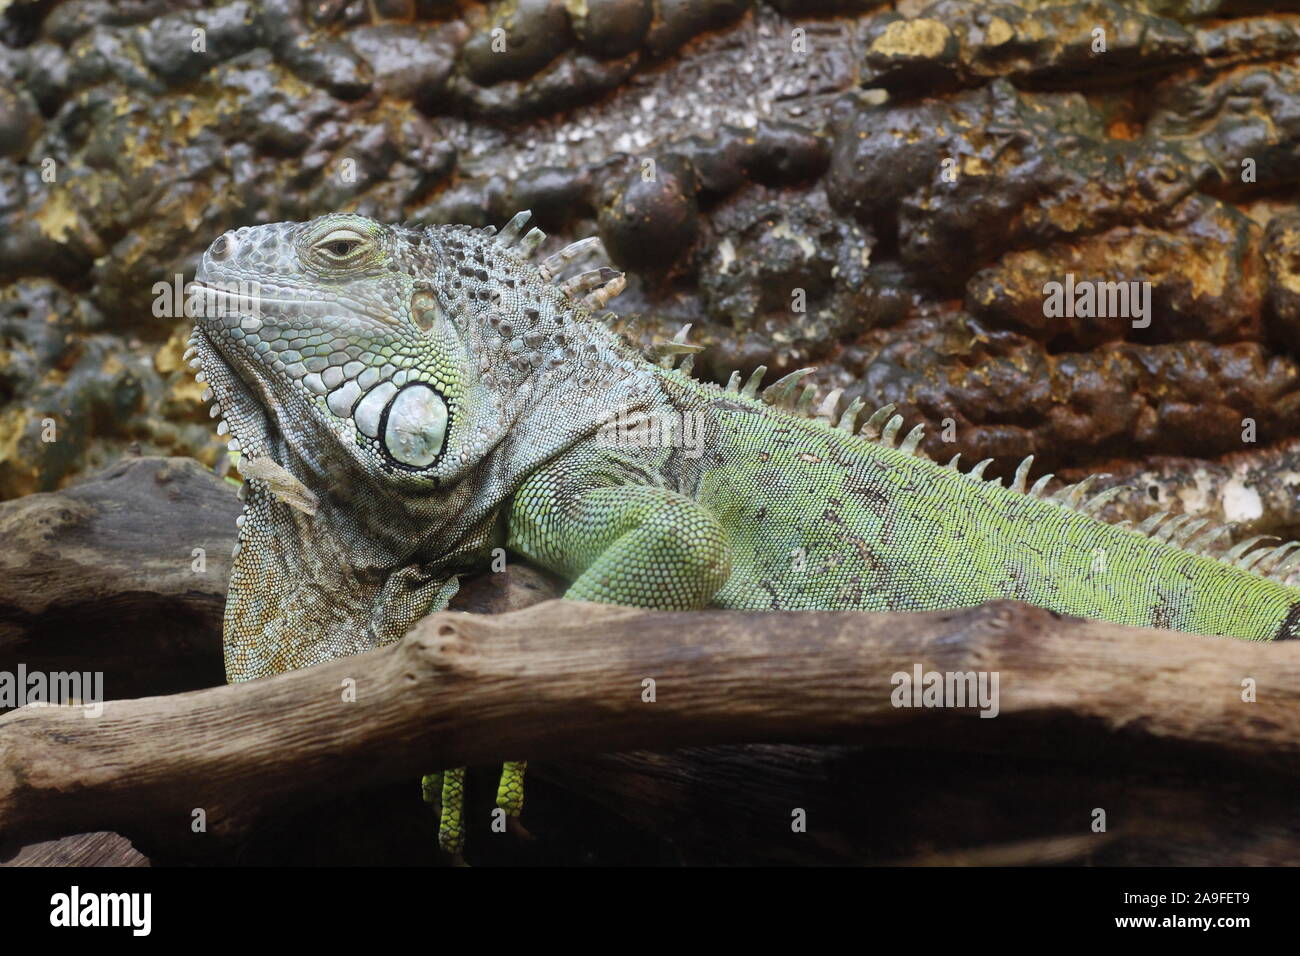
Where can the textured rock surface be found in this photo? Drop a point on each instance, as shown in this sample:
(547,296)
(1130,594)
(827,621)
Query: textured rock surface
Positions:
(911,175)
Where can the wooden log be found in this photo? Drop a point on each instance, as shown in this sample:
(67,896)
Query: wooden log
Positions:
(564,678)
(123,574)
(83,849)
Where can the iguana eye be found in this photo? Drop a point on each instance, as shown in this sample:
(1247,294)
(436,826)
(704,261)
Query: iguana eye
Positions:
(340,245)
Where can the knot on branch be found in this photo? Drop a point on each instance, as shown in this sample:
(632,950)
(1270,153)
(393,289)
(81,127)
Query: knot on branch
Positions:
(439,645)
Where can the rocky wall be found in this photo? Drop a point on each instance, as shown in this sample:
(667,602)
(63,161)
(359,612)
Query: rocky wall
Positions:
(881,190)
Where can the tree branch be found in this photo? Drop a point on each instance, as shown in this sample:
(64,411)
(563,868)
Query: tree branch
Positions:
(565,678)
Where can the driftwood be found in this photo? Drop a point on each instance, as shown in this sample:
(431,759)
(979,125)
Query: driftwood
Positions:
(564,678)
(125,574)
(84,849)
(1149,726)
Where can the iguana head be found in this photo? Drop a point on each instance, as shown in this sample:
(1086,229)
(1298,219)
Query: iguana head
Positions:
(386,390)
(338,326)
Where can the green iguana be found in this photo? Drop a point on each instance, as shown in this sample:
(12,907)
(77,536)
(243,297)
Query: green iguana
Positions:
(407,399)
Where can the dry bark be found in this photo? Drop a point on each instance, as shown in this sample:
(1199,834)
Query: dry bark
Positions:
(125,574)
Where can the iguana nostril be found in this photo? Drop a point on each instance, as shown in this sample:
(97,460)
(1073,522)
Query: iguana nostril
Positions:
(223,247)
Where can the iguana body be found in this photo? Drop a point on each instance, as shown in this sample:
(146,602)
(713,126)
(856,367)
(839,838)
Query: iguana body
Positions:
(408,399)
(784,512)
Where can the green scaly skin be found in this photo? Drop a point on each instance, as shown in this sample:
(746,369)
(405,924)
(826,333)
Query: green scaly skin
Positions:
(407,399)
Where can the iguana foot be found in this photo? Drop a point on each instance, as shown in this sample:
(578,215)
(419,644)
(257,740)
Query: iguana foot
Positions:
(510,791)
(445,792)
(431,790)
(450,830)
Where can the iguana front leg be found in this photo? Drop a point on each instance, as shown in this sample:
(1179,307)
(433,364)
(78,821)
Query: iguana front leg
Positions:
(622,543)
(619,544)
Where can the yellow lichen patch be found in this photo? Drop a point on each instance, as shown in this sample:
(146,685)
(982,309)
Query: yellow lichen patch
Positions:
(197,116)
(974,166)
(998,32)
(919,38)
(1209,276)
(13,422)
(1067,217)
(169,358)
(186,389)
(112,366)
(289,84)
(194,204)
(987,294)
(123,104)
(144,155)
(56,218)
(1288,277)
